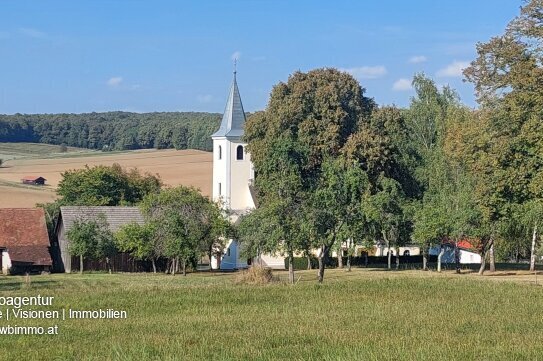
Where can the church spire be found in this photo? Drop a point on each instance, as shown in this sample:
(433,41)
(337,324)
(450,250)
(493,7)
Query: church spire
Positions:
(233,119)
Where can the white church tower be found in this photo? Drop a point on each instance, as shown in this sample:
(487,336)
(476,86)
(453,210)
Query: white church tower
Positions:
(232,172)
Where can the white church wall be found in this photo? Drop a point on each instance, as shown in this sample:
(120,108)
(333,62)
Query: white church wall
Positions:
(220,180)
(240,174)
(231,257)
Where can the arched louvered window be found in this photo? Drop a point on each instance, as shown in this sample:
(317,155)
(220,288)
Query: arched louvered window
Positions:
(239,152)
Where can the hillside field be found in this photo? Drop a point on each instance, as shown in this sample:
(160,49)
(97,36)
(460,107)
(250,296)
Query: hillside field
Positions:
(366,314)
(187,167)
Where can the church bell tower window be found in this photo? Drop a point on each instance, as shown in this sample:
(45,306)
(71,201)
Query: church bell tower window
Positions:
(239,152)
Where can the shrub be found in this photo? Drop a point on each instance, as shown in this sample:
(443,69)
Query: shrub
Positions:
(255,276)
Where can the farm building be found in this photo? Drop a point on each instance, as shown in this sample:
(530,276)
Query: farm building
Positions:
(468,254)
(24,242)
(115,217)
(34,180)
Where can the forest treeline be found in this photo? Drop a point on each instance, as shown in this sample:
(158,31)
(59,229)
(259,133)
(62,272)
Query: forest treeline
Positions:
(113,130)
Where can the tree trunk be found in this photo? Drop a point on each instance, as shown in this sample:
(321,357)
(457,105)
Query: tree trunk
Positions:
(441,253)
(81,264)
(389,256)
(483,263)
(320,275)
(366,259)
(154,264)
(340,258)
(308,262)
(492,258)
(397,258)
(184,263)
(456,257)
(425,258)
(349,262)
(532,253)
(290,269)
(322,263)
(210,255)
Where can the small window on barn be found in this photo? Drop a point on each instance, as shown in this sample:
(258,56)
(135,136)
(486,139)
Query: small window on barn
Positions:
(220,152)
(406,253)
(239,152)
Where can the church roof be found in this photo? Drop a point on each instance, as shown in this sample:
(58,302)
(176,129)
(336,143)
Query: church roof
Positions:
(233,119)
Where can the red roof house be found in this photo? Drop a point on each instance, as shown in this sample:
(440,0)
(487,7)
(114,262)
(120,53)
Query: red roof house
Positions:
(24,241)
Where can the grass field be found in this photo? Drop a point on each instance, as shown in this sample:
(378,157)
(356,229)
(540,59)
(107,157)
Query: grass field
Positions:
(9,151)
(187,167)
(365,314)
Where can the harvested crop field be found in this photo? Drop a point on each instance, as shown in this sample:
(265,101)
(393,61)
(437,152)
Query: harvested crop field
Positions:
(175,167)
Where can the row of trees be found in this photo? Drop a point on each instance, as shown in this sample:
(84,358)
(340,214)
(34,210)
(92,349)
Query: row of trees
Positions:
(113,130)
(335,170)
(180,225)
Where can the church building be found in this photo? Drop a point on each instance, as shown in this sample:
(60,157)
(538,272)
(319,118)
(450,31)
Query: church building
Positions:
(233,177)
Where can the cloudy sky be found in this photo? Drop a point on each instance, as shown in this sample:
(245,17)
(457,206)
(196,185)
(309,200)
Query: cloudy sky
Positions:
(98,55)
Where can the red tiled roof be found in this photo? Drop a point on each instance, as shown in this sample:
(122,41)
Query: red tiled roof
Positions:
(466,244)
(24,234)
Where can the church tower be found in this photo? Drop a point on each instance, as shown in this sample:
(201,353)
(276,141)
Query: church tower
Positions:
(232,168)
(233,173)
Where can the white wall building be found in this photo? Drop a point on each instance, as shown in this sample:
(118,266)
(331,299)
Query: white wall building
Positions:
(467,256)
(233,174)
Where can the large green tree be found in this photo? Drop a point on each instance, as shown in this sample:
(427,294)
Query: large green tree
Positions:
(507,75)
(92,239)
(318,126)
(182,221)
(106,186)
(139,241)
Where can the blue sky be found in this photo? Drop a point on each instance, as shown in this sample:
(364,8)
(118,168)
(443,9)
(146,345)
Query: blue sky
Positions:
(96,55)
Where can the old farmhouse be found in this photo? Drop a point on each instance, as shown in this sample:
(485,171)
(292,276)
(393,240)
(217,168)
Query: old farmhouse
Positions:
(24,242)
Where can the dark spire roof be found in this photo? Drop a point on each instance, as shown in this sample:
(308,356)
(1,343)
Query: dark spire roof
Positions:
(233,119)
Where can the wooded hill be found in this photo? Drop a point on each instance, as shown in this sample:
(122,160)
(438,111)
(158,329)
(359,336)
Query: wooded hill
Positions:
(113,130)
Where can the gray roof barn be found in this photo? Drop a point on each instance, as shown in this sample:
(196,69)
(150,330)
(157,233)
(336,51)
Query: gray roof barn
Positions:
(233,119)
(115,217)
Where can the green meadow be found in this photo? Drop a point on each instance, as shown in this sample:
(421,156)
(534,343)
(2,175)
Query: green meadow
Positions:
(365,314)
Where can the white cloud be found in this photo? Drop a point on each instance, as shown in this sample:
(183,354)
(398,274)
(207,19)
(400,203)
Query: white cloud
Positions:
(33,33)
(367,72)
(236,55)
(115,81)
(207,98)
(453,70)
(402,84)
(418,59)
